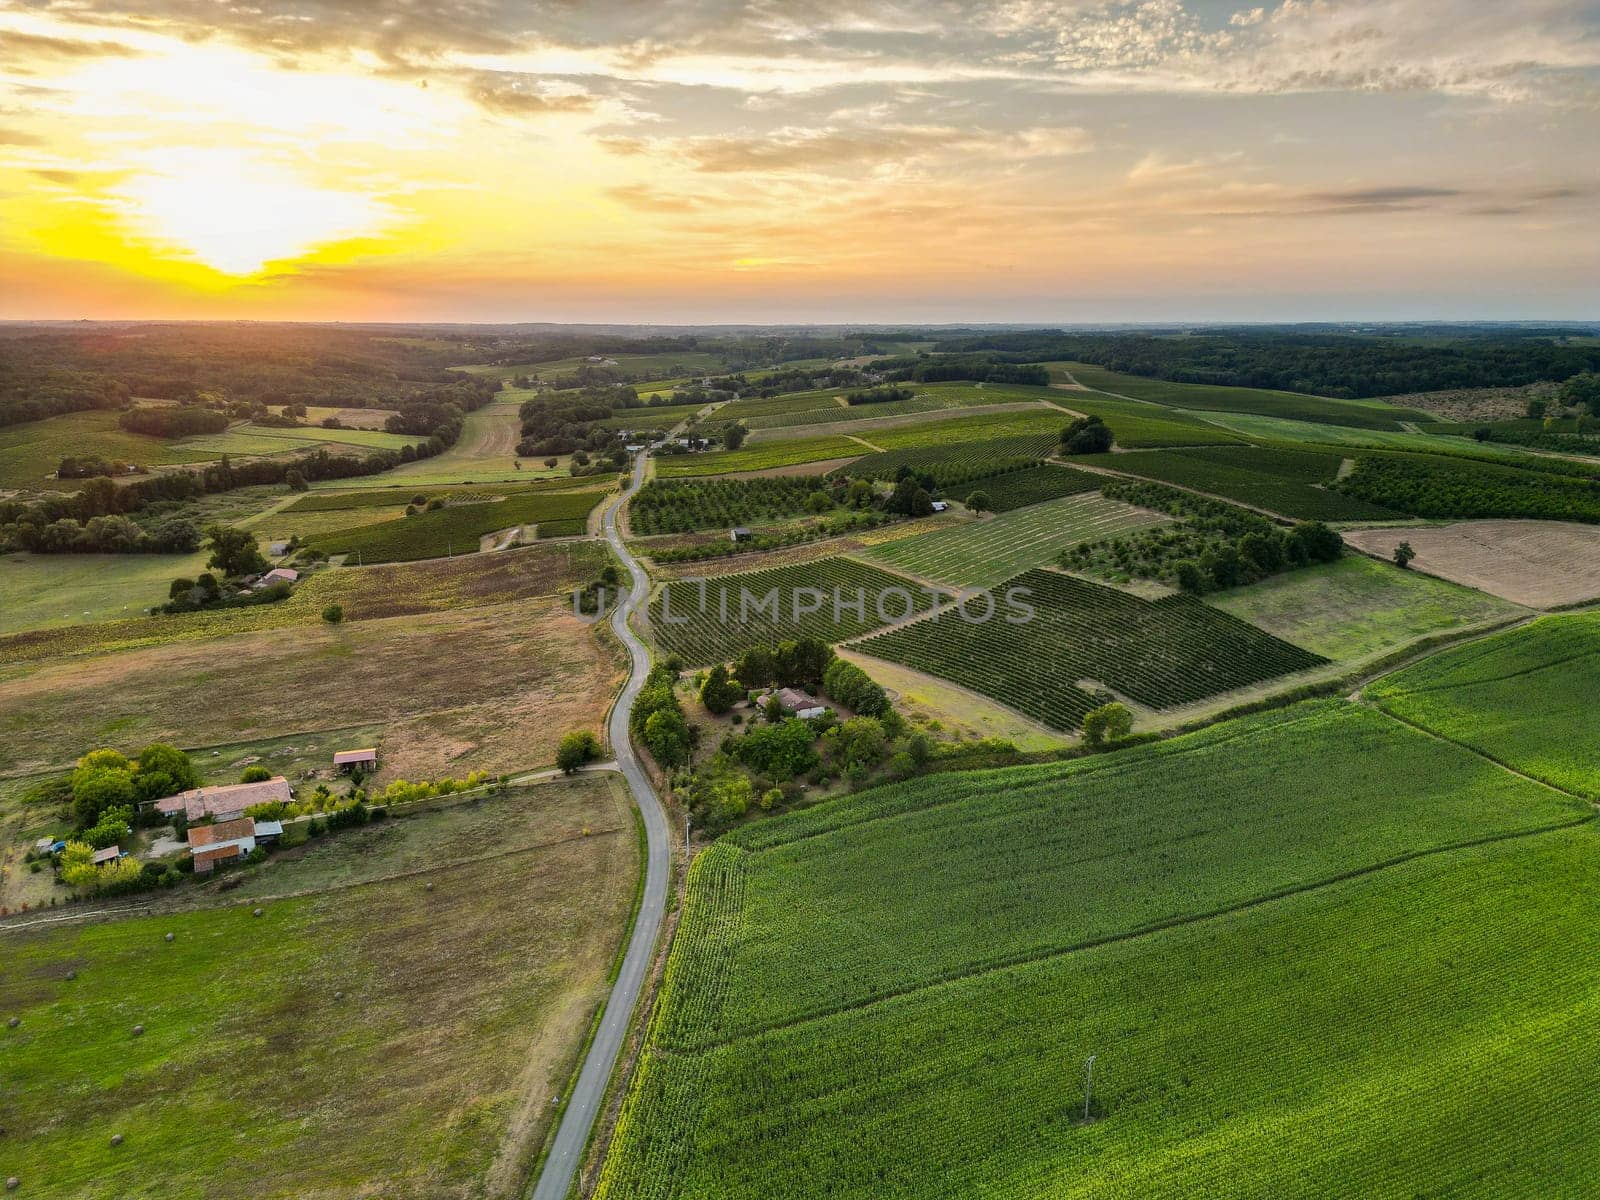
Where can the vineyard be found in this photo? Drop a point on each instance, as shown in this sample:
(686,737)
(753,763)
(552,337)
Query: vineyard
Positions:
(386,497)
(456,529)
(1527,698)
(759,456)
(1434,486)
(953,466)
(819,987)
(1145,426)
(714,621)
(1040,430)
(1161,653)
(986,552)
(1280,481)
(1367,414)
(1033,485)
(682,506)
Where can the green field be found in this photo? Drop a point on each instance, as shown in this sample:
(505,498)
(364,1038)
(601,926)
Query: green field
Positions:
(958,465)
(1292,483)
(716,622)
(382,1035)
(808,407)
(1032,485)
(1356,607)
(1162,653)
(30,452)
(1228,921)
(1315,433)
(1137,425)
(267,439)
(42,590)
(991,550)
(759,456)
(486,452)
(1044,426)
(1527,697)
(686,505)
(457,528)
(1369,414)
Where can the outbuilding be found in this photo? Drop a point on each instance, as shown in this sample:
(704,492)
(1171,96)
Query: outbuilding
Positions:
(356,760)
(224,841)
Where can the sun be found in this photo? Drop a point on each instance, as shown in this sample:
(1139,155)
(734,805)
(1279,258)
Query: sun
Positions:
(235,214)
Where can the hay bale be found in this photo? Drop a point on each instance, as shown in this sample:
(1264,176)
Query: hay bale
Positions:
(13,1022)
(116,1139)
(256,913)
(13,1184)
(138,1031)
(171,936)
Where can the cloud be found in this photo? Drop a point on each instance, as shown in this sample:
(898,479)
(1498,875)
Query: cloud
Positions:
(813,150)
(18,46)
(19,137)
(527,96)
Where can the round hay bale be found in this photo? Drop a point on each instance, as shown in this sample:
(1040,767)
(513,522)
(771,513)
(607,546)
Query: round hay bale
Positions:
(138,1031)
(256,913)
(171,936)
(116,1139)
(13,1184)
(430,887)
(71,975)
(339,996)
(13,1022)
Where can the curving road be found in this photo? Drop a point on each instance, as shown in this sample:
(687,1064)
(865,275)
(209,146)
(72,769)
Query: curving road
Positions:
(572,1135)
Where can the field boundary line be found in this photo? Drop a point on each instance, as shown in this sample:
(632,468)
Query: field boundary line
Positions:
(1030,959)
(1377,706)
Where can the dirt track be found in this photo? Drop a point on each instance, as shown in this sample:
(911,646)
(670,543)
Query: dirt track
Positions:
(1543,564)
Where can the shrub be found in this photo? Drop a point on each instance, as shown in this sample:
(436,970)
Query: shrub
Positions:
(255,774)
(333,614)
(1087,435)
(1108,723)
(577,748)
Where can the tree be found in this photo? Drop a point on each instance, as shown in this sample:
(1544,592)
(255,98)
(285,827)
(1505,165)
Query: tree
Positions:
(859,494)
(1403,554)
(779,751)
(255,774)
(161,757)
(733,436)
(1108,723)
(1320,543)
(801,663)
(1264,551)
(576,748)
(1190,577)
(1087,435)
(296,481)
(753,668)
(666,736)
(979,502)
(234,552)
(334,613)
(96,790)
(910,498)
(819,502)
(719,693)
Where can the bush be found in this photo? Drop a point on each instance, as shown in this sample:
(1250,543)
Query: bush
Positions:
(577,748)
(1087,435)
(1108,723)
(779,751)
(333,614)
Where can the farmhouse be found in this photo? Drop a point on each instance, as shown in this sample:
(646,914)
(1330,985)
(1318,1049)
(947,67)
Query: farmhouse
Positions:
(229,800)
(276,575)
(356,760)
(225,841)
(797,704)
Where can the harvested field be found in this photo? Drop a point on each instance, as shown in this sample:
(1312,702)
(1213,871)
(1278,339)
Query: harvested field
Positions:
(1543,564)
(1476,404)
(392,590)
(476,689)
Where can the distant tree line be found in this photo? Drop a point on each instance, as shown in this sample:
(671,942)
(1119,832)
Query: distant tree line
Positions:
(1341,365)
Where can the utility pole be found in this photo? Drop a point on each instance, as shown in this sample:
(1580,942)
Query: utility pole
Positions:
(688,824)
(1088,1085)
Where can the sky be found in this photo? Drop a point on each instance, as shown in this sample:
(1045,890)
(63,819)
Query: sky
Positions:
(696,161)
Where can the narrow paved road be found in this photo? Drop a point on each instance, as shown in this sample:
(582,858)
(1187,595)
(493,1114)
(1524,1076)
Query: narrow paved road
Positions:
(587,1095)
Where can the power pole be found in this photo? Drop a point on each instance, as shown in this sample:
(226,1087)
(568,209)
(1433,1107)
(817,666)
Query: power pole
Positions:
(1088,1085)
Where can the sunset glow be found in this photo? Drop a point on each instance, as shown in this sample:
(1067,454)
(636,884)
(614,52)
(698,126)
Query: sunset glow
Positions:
(984,159)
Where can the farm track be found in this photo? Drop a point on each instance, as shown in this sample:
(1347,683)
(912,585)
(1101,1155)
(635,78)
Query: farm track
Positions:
(583,1104)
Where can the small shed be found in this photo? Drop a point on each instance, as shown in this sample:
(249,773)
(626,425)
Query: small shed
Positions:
(941,505)
(223,841)
(356,760)
(277,549)
(740,533)
(109,854)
